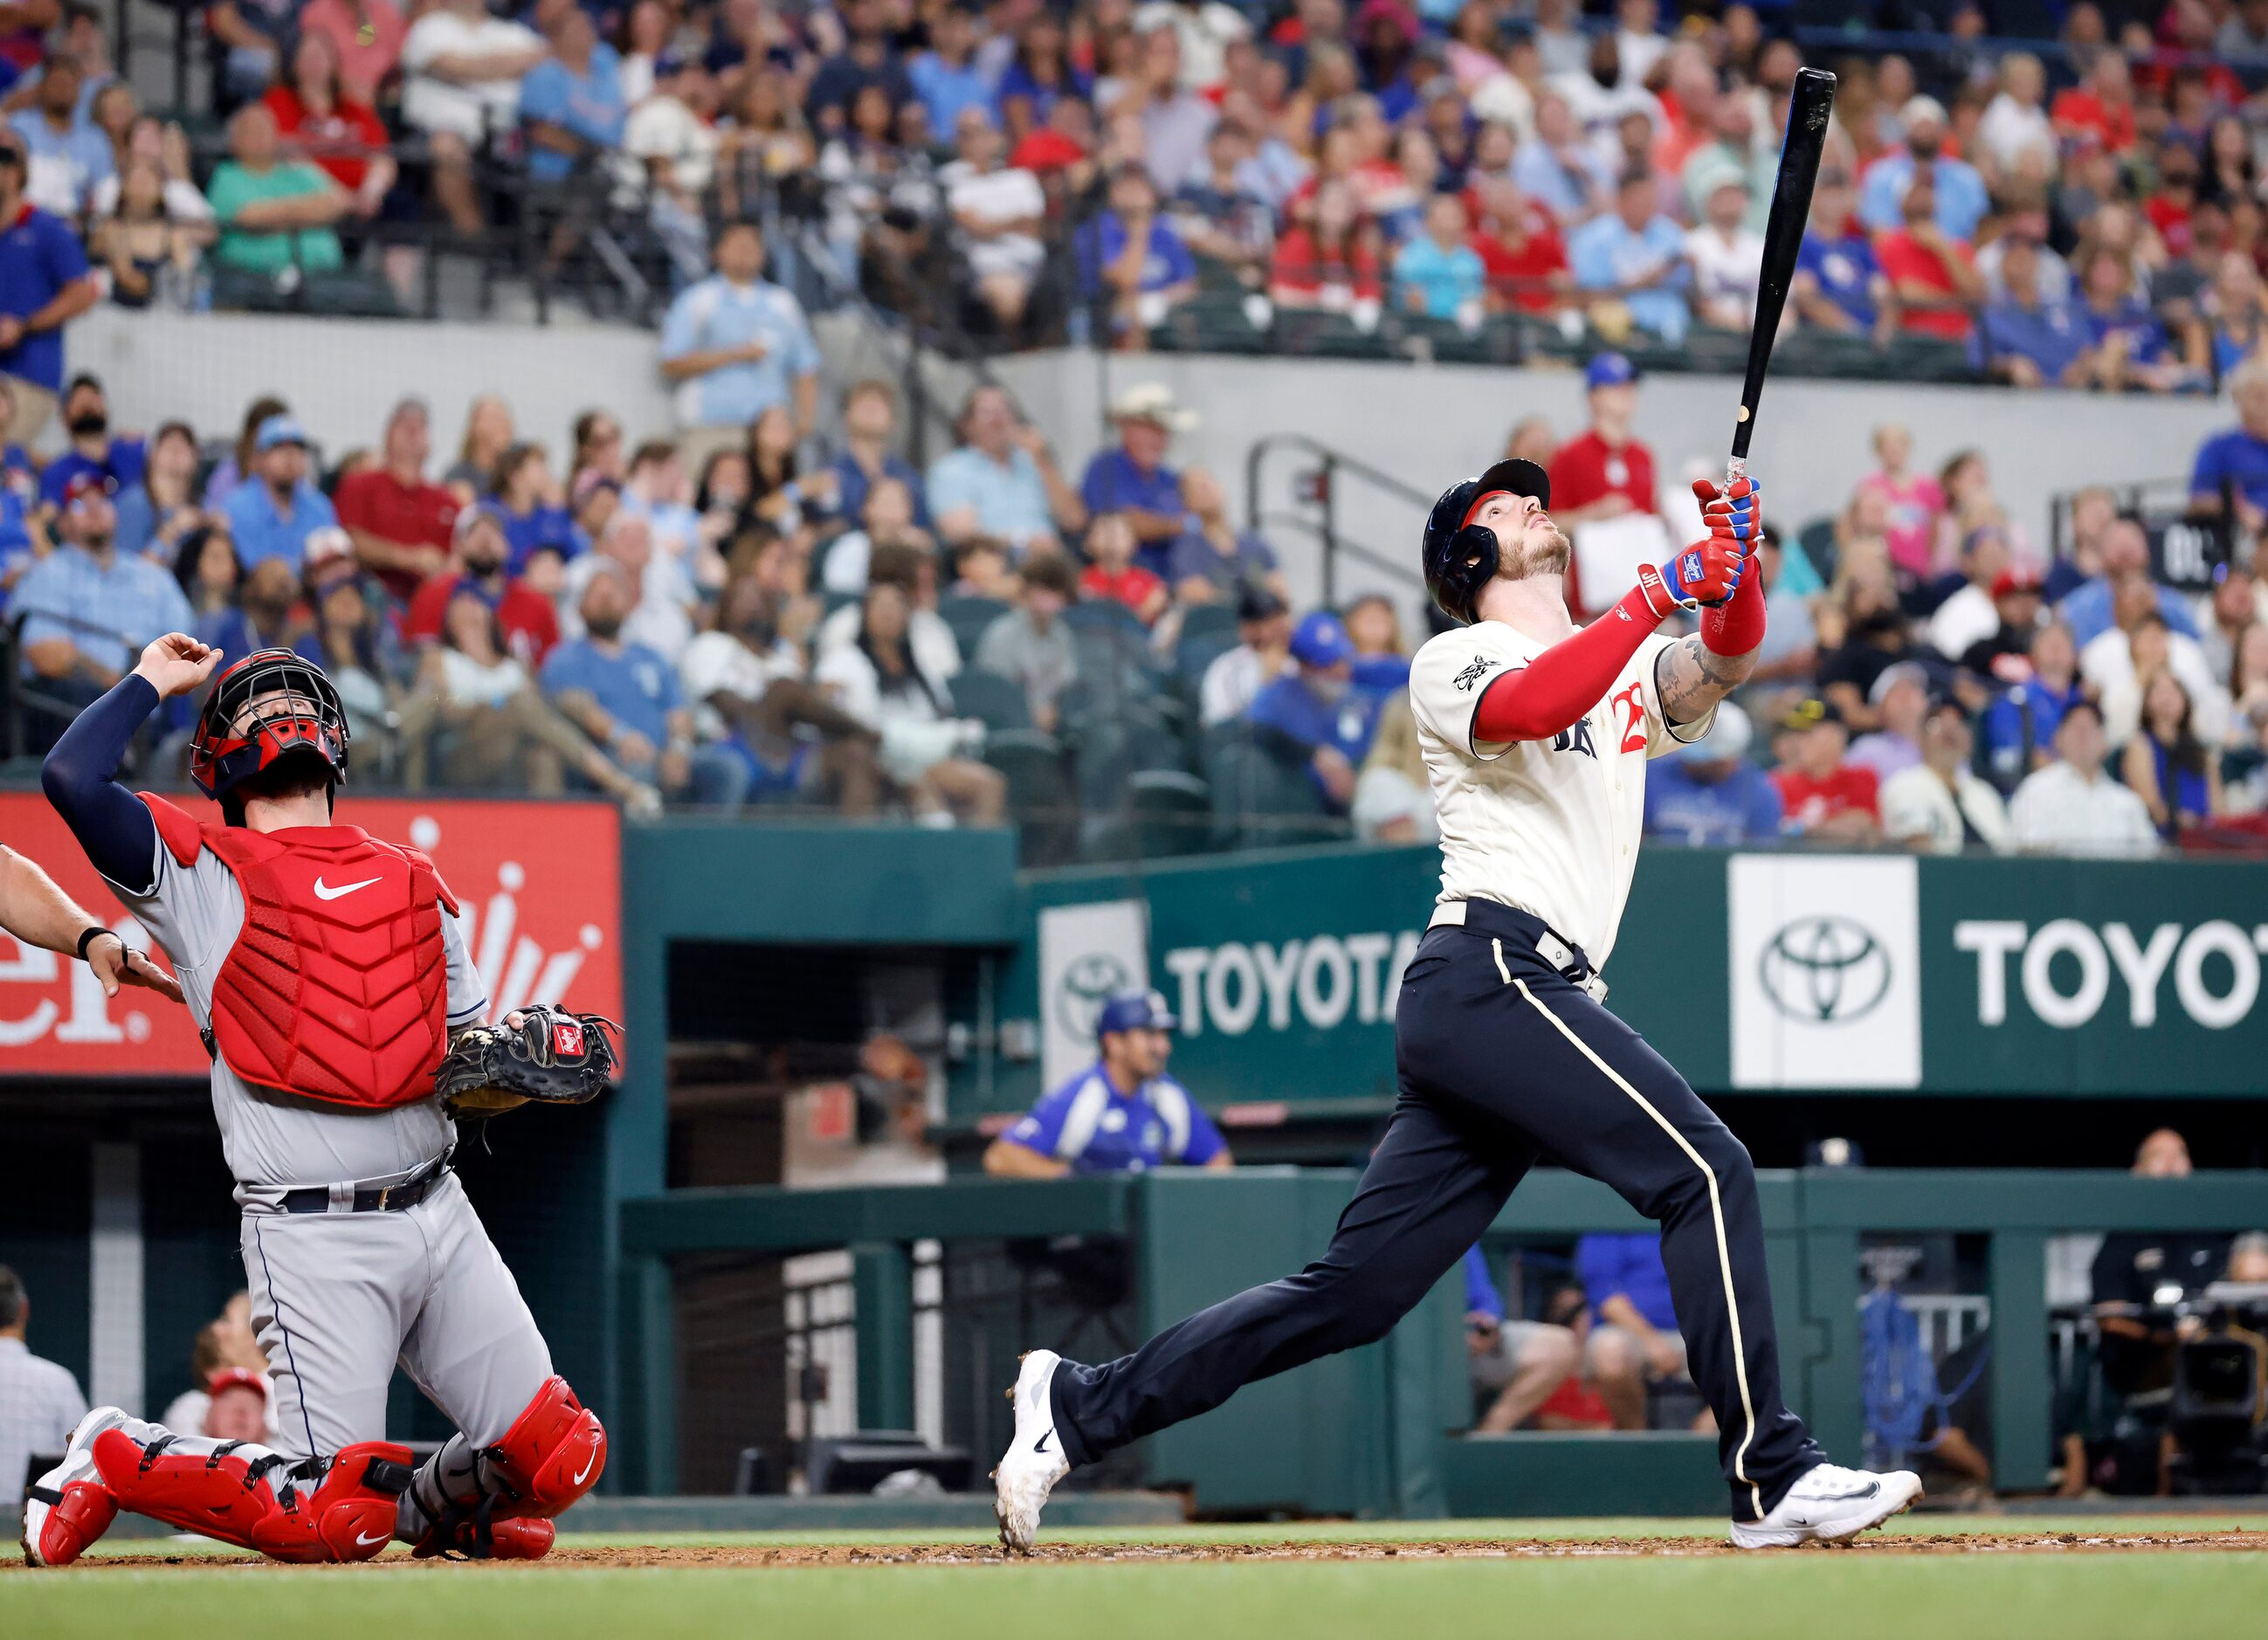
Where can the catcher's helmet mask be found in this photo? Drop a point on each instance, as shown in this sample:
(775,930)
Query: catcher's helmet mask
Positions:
(1461,557)
(272,719)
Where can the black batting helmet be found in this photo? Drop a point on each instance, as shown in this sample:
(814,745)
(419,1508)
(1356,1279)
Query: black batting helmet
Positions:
(1461,557)
(273,705)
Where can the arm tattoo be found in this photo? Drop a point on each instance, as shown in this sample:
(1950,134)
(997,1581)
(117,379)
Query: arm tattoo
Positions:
(1691,678)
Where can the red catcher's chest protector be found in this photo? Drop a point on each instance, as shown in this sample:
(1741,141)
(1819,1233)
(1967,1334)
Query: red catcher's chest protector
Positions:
(337,986)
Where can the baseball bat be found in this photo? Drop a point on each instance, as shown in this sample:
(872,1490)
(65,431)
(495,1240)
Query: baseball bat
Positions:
(1812,100)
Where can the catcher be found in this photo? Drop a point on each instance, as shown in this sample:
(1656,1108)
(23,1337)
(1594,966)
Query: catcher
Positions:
(327,974)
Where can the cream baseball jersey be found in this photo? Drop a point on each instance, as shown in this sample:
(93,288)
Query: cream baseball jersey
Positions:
(1550,826)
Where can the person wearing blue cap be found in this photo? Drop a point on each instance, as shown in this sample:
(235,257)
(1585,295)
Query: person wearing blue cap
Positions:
(1708,794)
(1122,1113)
(272,514)
(1316,708)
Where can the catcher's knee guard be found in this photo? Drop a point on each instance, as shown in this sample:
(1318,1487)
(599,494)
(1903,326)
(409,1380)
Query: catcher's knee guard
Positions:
(251,1503)
(553,1452)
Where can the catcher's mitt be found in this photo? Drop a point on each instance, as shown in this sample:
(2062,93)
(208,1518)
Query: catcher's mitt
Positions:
(553,1057)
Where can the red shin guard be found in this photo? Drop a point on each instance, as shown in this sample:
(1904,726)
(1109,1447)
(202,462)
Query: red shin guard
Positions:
(553,1453)
(348,1517)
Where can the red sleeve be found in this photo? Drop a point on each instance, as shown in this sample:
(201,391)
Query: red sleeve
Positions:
(1567,679)
(423,620)
(1737,625)
(351,502)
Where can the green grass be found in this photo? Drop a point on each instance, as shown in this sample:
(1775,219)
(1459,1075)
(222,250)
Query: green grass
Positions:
(1814,1596)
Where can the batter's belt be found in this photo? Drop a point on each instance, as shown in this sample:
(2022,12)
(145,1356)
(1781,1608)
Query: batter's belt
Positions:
(1525,931)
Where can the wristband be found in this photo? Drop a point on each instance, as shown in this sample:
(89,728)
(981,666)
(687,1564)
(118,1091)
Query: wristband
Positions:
(87,937)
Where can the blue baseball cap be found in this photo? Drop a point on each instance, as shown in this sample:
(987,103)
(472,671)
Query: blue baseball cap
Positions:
(1134,1010)
(1321,640)
(279,430)
(1610,370)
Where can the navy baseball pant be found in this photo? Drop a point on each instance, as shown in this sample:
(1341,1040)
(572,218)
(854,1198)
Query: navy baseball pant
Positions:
(1503,1058)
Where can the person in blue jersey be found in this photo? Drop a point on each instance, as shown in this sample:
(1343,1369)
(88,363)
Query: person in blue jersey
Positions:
(1121,1115)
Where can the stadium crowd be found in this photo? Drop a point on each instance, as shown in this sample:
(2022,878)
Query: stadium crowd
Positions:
(2083,210)
(997,635)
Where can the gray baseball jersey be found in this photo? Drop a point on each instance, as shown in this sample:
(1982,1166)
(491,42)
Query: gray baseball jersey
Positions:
(339,1298)
(277,1141)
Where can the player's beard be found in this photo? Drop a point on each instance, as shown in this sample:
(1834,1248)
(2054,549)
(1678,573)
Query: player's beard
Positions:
(1542,551)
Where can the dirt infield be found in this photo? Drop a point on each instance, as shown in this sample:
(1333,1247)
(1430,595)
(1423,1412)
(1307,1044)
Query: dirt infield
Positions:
(792,1556)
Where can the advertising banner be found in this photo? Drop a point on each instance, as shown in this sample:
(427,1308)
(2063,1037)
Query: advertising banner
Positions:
(539,886)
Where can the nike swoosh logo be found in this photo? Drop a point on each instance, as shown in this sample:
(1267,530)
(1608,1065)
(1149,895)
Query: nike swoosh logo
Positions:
(323,891)
(587,1468)
(1041,1445)
(365,1543)
(1867,1490)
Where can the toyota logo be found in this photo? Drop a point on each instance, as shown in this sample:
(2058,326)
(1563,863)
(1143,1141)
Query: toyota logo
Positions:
(1088,981)
(1824,969)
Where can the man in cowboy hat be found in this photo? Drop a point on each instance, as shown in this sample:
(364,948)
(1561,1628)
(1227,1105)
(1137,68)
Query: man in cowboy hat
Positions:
(1133,479)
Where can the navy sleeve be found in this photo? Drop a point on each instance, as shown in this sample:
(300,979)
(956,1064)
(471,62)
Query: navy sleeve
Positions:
(110,822)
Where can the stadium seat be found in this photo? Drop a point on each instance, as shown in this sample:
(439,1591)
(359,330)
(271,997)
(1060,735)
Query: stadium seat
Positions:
(969,616)
(1261,801)
(1040,798)
(998,702)
(1171,813)
(1208,621)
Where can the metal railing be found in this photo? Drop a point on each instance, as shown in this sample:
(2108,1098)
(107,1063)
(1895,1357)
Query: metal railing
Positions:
(1317,487)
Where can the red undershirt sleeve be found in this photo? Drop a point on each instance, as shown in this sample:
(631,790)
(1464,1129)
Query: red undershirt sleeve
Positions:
(1737,626)
(1556,688)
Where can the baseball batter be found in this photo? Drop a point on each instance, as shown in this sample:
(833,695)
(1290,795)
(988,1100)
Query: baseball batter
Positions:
(1536,737)
(326,970)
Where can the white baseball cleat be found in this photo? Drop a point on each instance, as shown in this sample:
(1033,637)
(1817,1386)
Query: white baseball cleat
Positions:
(1033,1462)
(1831,1503)
(68,1508)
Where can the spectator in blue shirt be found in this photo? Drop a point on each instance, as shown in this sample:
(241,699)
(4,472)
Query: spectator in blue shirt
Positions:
(118,461)
(572,102)
(1439,274)
(1121,1115)
(1839,283)
(2126,345)
(2018,727)
(1133,479)
(1211,559)
(68,153)
(1130,257)
(735,345)
(2125,552)
(1961,197)
(1636,254)
(946,78)
(626,697)
(1635,1339)
(44,285)
(866,59)
(870,450)
(1316,709)
(2239,457)
(2022,337)
(274,512)
(1709,795)
(1003,482)
(88,609)
(527,504)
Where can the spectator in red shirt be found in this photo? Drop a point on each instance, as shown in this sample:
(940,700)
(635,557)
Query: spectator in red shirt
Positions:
(2169,209)
(1821,795)
(530,624)
(2101,106)
(315,116)
(1113,573)
(1520,250)
(1603,472)
(1331,261)
(1935,276)
(403,526)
